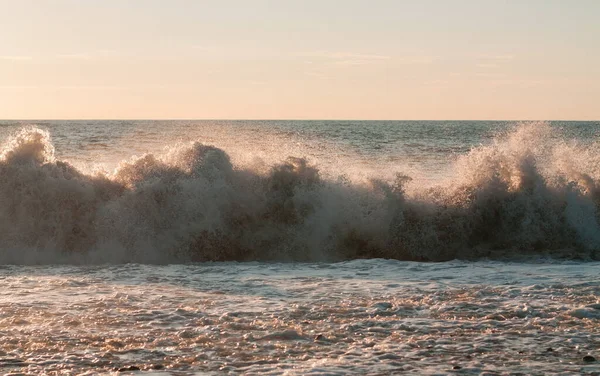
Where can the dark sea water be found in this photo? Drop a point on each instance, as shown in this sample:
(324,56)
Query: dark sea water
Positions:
(296,247)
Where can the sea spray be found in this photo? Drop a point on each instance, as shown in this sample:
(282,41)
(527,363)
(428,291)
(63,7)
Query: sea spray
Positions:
(528,192)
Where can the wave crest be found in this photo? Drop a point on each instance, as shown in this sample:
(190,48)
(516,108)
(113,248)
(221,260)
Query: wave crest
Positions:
(531,191)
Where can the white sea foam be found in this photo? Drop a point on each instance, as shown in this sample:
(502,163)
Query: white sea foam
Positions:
(529,191)
(528,196)
(358,317)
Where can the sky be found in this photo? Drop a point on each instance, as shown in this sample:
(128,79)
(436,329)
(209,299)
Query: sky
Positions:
(278,59)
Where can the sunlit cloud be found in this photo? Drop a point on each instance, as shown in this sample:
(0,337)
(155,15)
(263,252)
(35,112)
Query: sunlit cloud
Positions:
(200,48)
(16,58)
(319,75)
(436,82)
(521,83)
(64,56)
(492,62)
(416,60)
(500,57)
(353,62)
(98,54)
(18,87)
(89,87)
(488,74)
(353,56)
(78,56)
(343,58)
(61,87)
(349,59)
(487,65)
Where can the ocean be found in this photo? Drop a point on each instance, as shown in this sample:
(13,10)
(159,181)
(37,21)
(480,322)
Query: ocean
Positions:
(299,247)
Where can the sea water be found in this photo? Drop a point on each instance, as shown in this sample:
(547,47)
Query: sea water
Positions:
(299,247)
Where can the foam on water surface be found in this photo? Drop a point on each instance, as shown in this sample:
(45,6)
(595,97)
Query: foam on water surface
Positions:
(529,191)
(115,215)
(364,316)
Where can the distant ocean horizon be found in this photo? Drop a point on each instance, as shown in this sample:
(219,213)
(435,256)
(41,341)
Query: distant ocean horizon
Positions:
(297,119)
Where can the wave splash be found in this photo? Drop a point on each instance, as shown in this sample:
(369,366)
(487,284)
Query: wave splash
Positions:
(530,192)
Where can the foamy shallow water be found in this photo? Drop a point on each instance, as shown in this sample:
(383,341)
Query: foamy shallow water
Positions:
(357,317)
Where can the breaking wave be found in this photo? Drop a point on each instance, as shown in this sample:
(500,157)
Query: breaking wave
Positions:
(530,192)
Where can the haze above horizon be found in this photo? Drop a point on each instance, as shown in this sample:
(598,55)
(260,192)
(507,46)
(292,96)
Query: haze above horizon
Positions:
(371,60)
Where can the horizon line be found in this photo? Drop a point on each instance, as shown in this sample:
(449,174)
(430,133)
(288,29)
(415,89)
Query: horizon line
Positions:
(276,119)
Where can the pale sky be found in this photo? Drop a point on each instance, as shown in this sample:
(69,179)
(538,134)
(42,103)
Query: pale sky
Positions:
(278,59)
